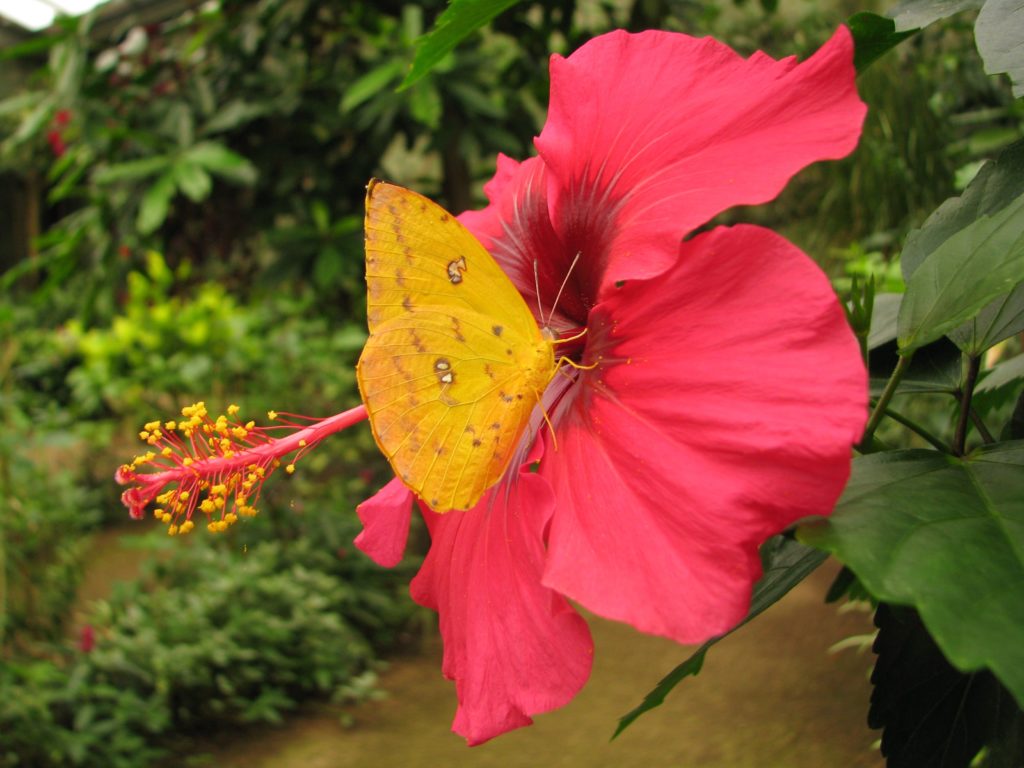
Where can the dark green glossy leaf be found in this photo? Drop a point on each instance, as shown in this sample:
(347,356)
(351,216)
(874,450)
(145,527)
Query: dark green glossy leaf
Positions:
(914,14)
(999,33)
(946,536)
(981,262)
(883,319)
(873,35)
(460,19)
(786,564)
(995,186)
(931,713)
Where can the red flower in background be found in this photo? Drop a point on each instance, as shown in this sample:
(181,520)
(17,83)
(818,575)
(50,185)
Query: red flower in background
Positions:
(720,388)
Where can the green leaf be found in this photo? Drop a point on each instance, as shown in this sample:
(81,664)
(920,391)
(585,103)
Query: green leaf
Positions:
(914,14)
(981,262)
(133,169)
(155,204)
(946,536)
(192,180)
(787,563)
(995,185)
(931,713)
(999,34)
(218,159)
(883,319)
(1002,374)
(460,19)
(232,115)
(873,35)
(370,84)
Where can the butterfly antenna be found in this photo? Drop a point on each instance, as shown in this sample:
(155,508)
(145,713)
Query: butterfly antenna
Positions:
(536,286)
(565,281)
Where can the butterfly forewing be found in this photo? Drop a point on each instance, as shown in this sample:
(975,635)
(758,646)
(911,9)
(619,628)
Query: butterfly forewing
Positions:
(418,255)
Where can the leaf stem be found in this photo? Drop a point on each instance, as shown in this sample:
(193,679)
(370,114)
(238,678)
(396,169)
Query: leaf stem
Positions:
(883,401)
(982,429)
(917,429)
(970,379)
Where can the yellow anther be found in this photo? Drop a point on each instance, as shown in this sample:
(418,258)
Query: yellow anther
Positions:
(302,443)
(183,495)
(219,490)
(165,517)
(172,530)
(271,415)
(186,461)
(143,435)
(241,500)
(212,527)
(165,497)
(229,454)
(170,425)
(221,525)
(152,425)
(290,468)
(250,424)
(166,451)
(187,526)
(240,432)
(218,503)
(225,444)
(231,518)
(207,506)
(233,409)
(158,514)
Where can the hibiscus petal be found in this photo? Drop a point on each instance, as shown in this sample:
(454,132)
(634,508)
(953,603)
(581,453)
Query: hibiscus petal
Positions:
(516,230)
(650,135)
(728,394)
(513,647)
(385,517)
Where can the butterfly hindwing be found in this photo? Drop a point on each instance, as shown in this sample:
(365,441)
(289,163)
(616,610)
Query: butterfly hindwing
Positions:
(449,405)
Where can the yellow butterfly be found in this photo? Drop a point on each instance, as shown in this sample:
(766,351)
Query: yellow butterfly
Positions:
(455,362)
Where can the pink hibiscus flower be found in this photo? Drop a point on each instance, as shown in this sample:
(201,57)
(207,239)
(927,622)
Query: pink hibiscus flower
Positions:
(720,389)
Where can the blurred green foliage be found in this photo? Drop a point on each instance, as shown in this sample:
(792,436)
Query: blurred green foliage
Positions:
(210,638)
(199,219)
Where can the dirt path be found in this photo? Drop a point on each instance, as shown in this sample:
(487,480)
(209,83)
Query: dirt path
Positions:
(770,696)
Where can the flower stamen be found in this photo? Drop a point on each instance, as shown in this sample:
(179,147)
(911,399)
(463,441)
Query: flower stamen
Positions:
(216,466)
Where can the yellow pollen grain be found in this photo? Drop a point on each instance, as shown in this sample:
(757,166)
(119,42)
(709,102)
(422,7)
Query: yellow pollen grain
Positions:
(272,415)
(233,409)
(290,469)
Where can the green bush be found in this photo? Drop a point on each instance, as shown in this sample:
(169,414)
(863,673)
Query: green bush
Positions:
(209,638)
